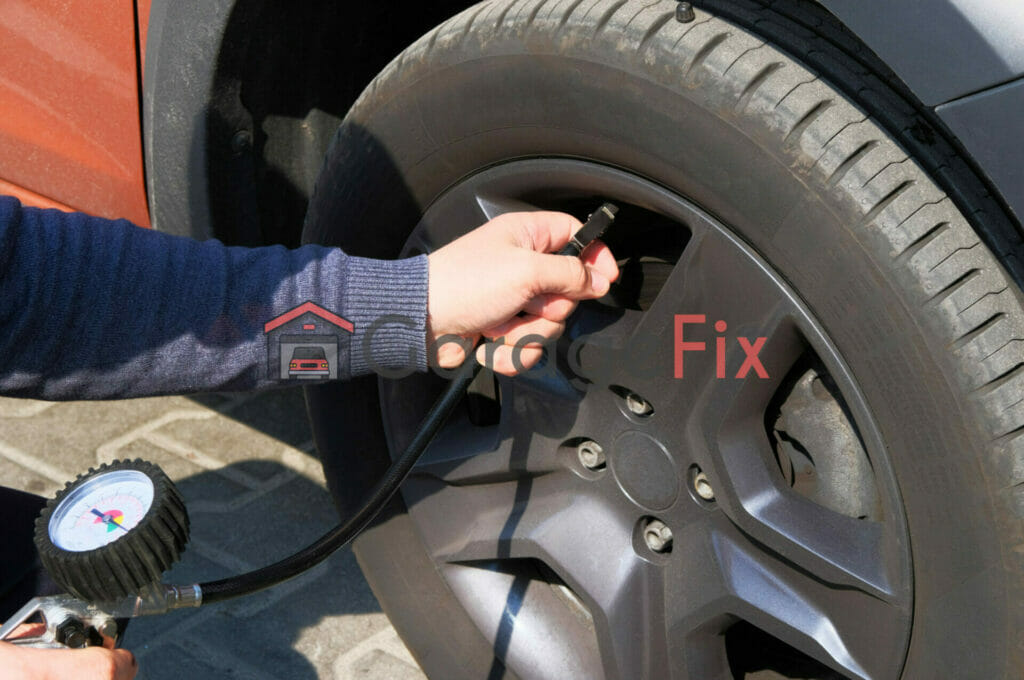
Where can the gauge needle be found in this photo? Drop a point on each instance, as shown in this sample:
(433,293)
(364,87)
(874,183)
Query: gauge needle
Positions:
(106,518)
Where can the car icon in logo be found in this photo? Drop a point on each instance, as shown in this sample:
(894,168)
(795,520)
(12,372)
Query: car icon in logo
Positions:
(307,342)
(308,361)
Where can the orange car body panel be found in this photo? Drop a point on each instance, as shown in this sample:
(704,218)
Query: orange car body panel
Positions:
(69,106)
(30,197)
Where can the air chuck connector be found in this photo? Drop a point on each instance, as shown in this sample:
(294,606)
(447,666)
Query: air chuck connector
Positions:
(597,224)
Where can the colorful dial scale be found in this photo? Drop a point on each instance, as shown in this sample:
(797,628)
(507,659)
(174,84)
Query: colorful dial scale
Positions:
(112,532)
(102,510)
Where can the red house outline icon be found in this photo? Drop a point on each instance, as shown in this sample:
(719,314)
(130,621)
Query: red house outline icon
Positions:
(313,331)
(303,309)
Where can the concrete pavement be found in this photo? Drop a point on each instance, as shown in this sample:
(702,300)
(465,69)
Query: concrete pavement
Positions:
(255,494)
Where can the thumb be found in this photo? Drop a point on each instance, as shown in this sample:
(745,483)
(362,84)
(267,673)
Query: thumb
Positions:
(125,664)
(101,664)
(568,276)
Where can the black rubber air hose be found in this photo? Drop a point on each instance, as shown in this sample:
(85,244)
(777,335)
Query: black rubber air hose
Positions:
(253,581)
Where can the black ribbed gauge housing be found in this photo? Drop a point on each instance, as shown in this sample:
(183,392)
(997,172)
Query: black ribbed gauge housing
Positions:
(132,557)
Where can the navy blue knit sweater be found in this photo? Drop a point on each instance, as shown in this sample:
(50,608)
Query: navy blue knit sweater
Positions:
(99,309)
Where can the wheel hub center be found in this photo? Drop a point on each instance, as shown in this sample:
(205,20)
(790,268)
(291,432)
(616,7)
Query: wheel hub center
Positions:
(645,471)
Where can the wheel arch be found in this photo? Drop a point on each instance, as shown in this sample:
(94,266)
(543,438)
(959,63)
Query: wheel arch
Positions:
(973,85)
(980,40)
(241,97)
(239,103)
(969,171)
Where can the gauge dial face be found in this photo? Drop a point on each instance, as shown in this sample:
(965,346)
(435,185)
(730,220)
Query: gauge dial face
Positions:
(102,510)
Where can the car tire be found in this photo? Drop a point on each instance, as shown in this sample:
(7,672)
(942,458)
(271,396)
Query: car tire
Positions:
(875,241)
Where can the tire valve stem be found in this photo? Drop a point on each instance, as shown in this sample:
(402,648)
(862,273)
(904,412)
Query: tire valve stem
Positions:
(685,13)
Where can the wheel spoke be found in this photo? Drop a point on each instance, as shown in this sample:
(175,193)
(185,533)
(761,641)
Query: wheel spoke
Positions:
(597,336)
(843,550)
(525,443)
(462,454)
(675,356)
(490,522)
(630,623)
(493,204)
(847,629)
(468,456)
(623,592)
(588,544)
(535,625)
(469,207)
(541,402)
(718,277)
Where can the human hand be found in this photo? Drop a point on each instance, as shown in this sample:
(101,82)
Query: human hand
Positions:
(500,281)
(93,663)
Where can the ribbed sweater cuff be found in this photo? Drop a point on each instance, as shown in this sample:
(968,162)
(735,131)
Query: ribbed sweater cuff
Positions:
(386,301)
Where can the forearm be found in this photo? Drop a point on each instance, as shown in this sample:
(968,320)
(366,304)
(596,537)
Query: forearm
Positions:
(94,309)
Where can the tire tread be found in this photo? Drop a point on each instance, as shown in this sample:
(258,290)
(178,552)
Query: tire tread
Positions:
(852,129)
(932,235)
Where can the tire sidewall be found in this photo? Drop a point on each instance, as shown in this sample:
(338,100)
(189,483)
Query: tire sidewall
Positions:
(428,125)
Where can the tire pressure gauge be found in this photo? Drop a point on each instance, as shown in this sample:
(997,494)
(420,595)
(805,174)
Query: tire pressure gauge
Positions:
(113,531)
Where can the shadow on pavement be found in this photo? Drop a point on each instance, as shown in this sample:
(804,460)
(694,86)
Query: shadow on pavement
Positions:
(295,630)
(279,413)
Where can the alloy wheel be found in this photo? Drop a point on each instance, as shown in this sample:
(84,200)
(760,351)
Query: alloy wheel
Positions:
(601,517)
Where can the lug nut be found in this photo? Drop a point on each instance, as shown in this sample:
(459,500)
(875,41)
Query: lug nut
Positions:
(637,406)
(703,487)
(658,536)
(591,455)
